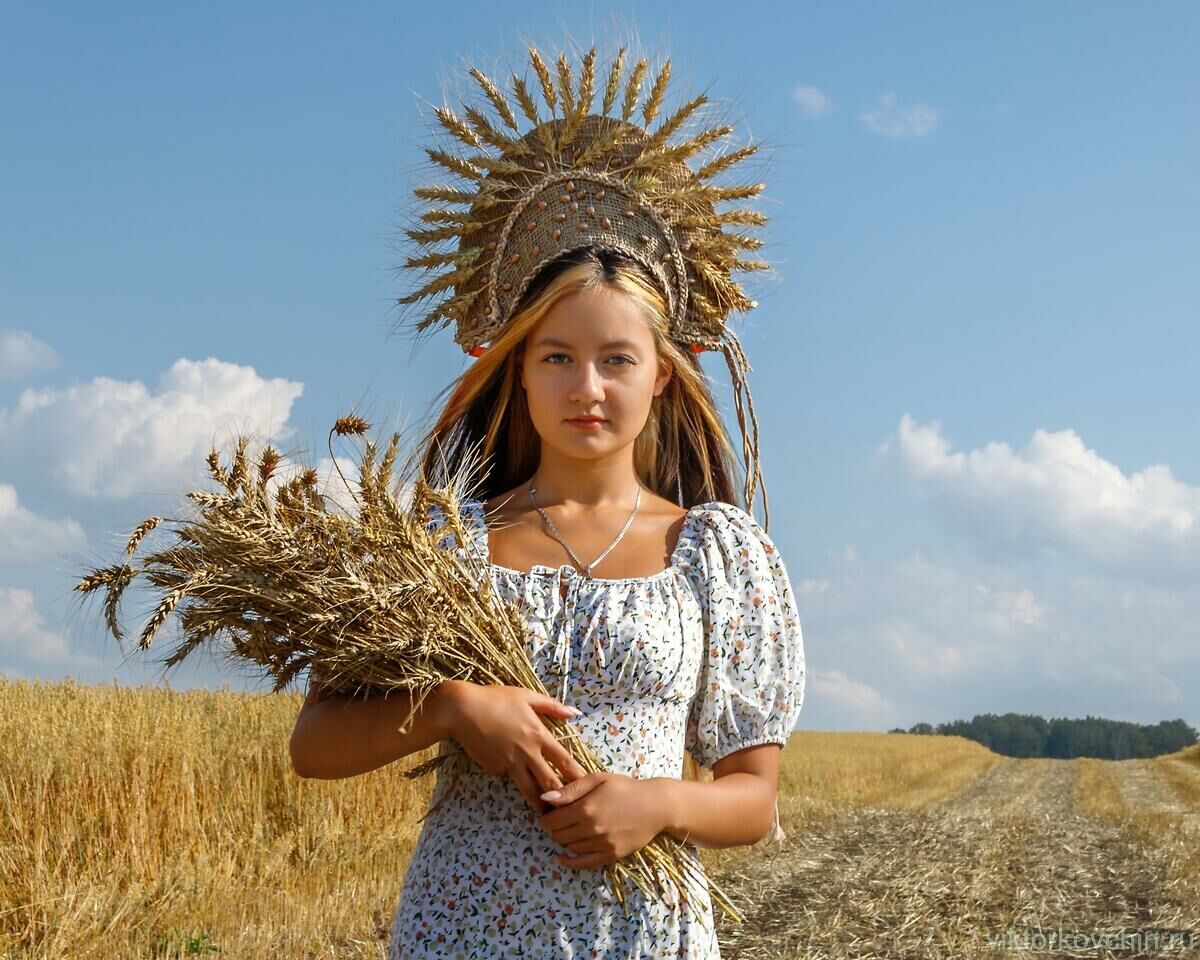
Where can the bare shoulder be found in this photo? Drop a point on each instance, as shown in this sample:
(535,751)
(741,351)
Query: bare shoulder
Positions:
(653,504)
(507,507)
(514,504)
(519,540)
(665,517)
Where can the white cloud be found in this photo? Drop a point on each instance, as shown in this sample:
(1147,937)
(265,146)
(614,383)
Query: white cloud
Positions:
(813,102)
(889,119)
(340,495)
(1060,495)
(340,489)
(938,639)
(942,624)
(22,353)
(24,536)
(24,634)
(1019,607)
(856,703)
(114,438)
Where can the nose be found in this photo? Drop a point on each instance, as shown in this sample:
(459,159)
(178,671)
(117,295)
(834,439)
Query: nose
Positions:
(587,386)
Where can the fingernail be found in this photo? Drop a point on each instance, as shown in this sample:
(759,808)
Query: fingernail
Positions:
(552,795)
(575,711)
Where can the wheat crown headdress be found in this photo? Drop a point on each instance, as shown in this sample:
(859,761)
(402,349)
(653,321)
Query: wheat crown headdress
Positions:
(578,178)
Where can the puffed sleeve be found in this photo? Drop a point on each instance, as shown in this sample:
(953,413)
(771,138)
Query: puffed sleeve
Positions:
(751,683)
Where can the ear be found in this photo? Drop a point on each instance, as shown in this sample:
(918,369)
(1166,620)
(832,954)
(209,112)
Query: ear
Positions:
(663,378)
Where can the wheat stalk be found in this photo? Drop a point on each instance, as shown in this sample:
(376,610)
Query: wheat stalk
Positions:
(370,603)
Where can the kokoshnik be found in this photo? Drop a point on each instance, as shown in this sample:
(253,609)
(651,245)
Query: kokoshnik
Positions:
(579,178)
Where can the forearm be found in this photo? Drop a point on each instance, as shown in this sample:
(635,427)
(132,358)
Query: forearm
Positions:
(341,737)
(733,811)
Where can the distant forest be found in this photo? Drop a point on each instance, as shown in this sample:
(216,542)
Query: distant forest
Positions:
(1024,735)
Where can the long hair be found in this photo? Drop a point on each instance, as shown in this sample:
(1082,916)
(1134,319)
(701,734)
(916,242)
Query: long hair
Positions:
(683,450)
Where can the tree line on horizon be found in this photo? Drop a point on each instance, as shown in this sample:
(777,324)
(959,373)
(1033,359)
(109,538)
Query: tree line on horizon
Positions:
(1028,735)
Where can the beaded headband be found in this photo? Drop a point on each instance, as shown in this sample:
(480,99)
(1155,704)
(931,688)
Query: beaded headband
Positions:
(576,179)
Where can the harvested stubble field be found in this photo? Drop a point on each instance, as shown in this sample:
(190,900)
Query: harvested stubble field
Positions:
(150,823)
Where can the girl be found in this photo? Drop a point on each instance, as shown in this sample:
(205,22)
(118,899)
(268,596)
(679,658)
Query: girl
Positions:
(659,615)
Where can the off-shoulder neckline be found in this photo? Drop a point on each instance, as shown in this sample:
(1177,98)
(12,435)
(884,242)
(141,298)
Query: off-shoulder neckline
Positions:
(541,569)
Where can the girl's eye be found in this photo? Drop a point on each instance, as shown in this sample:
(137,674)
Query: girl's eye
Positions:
(555,357)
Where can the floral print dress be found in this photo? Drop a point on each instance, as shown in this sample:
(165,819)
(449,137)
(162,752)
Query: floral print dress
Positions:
(706,655)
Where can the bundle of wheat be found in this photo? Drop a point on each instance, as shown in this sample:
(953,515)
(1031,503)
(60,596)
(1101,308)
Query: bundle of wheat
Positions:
(370,601)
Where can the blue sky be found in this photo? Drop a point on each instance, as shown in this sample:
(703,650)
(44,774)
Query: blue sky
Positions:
(974,365)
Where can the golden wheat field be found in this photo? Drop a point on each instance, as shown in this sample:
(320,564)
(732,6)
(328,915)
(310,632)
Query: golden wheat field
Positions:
(139,822)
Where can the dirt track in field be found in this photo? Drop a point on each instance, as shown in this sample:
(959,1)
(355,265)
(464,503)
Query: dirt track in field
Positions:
(1008,853)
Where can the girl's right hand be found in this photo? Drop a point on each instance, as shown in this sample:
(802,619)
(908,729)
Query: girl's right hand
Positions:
(499,727)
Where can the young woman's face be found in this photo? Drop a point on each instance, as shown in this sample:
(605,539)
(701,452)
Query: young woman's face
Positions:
(590,372)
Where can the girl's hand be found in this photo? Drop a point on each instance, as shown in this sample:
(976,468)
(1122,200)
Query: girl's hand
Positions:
(499,727)
(603,817)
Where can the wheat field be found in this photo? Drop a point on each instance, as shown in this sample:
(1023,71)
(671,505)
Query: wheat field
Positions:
(144,822)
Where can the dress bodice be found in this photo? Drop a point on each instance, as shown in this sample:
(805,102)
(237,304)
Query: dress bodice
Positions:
(704,656)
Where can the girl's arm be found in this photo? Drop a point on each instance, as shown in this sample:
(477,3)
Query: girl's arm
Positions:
(735,809)
(336,736)
(499,727)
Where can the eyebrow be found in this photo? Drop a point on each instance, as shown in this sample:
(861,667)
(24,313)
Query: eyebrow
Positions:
(552,342)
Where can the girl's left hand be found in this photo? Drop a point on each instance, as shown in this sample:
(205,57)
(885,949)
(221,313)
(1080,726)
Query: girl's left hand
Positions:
(603,817)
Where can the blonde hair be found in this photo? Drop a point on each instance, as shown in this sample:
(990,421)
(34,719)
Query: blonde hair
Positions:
(683,449)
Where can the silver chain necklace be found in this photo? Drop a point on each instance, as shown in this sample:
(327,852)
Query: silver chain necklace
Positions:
(587,568)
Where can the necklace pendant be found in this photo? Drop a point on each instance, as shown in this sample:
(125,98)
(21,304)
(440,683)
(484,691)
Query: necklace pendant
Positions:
(587,570)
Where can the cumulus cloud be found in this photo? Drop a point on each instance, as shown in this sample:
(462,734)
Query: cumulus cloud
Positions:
(340,495)
(1057,494)
(1074,593)
(114,438)
(940,623)
(897,640)
(22,353)
(337,484)
(939,638)
(813,102)
(888,118)
(855,703)
(25,635)
(25,536)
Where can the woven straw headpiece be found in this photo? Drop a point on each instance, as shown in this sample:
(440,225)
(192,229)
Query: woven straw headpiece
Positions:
(575,178)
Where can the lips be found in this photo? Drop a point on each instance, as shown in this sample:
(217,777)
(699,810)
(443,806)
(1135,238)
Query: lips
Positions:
(591,424)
